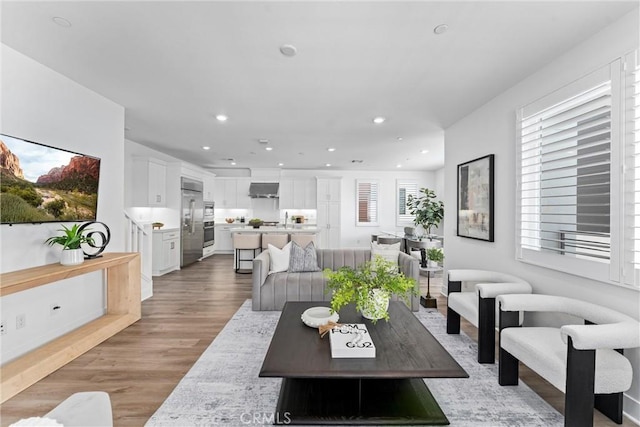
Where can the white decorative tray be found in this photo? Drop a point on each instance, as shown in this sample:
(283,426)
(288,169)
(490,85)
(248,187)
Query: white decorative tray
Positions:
(318,316)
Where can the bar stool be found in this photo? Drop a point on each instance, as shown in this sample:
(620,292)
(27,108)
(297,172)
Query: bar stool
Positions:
(303,239)
(276,239)
(245,242)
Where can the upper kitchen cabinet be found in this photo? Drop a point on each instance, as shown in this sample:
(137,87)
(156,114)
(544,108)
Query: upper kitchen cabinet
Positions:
(232,193)
(209,184)
(297,193)
(149,182)
(329,189)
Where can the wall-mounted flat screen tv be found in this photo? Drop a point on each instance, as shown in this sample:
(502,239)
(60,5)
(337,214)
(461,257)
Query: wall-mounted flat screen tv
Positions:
(39,183)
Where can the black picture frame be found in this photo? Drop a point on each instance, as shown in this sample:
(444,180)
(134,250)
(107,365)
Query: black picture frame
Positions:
(476,198)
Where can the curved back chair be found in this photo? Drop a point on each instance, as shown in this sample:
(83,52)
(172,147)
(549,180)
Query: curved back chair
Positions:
(478,305)
(276,239)
(303,239)
(384,240)
(245,242)
(580,360)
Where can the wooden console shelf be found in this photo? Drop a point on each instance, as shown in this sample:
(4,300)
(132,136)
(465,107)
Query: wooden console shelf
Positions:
(123,309)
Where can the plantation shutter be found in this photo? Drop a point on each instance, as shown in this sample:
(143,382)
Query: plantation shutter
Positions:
(367,201)
(405,189)
(632,172)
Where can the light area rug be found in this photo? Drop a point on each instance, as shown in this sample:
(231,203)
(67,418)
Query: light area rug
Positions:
(223,387)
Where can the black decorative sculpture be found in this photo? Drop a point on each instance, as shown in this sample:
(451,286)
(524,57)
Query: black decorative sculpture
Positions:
(98,239)
(423,256)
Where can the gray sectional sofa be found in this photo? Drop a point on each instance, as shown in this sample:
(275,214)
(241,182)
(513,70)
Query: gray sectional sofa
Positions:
(271,291)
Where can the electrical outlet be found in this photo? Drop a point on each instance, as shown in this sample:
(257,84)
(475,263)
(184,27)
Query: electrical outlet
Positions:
(3,327)
(21,321)
(54,309)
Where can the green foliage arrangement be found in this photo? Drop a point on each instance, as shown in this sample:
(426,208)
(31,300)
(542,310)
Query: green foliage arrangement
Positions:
(428,212)
(71,239)
(435,254)
(256,222)
(357,286)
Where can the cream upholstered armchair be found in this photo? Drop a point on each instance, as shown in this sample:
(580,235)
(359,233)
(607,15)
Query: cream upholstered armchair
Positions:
(581,360)
(477,304)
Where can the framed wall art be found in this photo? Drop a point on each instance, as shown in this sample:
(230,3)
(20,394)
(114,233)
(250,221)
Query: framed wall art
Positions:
(475,199)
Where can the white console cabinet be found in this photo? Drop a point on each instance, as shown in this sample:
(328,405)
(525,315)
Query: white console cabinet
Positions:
(166,251)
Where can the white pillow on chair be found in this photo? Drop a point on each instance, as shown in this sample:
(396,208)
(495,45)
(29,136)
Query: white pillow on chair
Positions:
(388,252)
(279,258)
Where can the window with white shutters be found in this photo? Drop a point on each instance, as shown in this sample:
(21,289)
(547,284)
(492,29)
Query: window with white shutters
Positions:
(578,177)
(403,190)
(367,203)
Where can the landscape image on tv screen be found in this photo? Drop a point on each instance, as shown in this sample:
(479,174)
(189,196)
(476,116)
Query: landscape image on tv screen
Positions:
(39,183)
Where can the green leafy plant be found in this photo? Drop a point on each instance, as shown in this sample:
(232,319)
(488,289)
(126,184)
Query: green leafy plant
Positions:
(357,286)
(428,212)
(256,222)
(435,254)
(71,239)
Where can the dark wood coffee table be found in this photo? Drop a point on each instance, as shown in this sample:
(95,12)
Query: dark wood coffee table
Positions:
(387,390)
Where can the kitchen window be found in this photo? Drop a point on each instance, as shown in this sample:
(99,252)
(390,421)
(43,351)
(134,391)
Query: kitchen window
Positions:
(367,203)
(576,203)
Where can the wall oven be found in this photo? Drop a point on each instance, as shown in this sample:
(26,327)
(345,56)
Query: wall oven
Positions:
(209,211)
(209,233)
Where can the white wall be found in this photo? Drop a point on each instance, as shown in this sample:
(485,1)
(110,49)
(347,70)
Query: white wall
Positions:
(41,105)
(492,129)
(355,236)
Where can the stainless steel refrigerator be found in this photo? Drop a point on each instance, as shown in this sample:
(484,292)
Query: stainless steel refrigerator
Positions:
(192,230)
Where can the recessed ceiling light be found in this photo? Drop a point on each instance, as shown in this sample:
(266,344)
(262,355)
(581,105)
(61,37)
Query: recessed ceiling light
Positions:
(268,148)
(378,120)
(263,141)
(61,21)
(233,163)
(328,165)
(398,166)
(206,147)
(331,150)
(440,29)
(399,138)
(221,118)
(424,151)
(280,164)
(288,50)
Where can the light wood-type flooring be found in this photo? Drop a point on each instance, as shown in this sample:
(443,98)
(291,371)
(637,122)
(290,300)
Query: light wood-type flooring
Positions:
(140,366)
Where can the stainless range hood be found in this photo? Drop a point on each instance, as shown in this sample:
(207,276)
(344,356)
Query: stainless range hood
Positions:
(263,190)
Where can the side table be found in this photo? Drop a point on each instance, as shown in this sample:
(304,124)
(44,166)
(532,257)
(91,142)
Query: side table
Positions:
(428,301)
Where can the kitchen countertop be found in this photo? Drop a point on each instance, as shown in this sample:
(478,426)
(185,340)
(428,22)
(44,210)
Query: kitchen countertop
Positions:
(263,229)
(162,230)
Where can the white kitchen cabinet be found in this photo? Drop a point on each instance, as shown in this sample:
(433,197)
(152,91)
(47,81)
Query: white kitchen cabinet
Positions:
(329,189)
(223,243)
(297,193)
(149,182)
(232,193)
(328,212)
(209,187)
(166,251)
(328,219)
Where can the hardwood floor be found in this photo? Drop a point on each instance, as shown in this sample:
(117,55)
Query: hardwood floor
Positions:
(140,366)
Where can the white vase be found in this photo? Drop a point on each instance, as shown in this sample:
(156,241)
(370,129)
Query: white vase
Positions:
(433,264)
(376,306)
(72,257)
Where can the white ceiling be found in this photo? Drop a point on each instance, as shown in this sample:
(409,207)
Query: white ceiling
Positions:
(175,65)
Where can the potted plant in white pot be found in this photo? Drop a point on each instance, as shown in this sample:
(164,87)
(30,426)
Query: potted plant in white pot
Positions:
(428,212)
(71,241)
(369,286)
(435,256)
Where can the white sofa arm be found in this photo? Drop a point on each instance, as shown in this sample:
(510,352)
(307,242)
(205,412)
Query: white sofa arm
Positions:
(612,335)
(492,290)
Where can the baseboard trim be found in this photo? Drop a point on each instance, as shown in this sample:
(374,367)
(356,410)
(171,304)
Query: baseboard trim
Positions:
(631,408)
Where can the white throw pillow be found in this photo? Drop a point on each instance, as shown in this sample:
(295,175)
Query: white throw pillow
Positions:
(388,252)
(279,258)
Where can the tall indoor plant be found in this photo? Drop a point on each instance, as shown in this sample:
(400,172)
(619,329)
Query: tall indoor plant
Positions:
(369,286)
(71,241)
(428,212)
